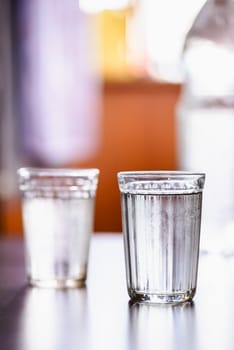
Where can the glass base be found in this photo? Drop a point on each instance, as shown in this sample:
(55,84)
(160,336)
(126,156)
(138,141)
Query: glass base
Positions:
(157,298)
(56,283)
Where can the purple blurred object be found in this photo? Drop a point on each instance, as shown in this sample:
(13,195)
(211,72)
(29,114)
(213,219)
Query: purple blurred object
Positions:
(57,82)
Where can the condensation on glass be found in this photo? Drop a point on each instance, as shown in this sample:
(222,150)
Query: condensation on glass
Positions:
(58,212)
(161,214)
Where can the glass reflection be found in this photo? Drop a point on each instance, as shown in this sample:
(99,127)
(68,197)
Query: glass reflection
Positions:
(54,319)
(162,326)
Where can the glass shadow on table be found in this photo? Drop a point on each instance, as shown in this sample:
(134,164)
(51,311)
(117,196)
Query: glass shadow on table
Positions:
(155,326)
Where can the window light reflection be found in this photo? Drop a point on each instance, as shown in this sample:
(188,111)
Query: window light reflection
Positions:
(166,24)
(47,313)
(92,6)
(155,33)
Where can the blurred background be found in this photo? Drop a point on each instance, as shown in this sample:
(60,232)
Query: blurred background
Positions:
(89,84)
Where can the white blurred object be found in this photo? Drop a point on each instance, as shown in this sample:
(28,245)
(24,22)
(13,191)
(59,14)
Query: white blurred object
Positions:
(58,91)
(158,29)
(206,119)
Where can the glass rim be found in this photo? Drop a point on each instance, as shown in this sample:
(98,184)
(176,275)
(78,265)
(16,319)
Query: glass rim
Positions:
(156,173)
(58,180)
(161,182)
(56,172)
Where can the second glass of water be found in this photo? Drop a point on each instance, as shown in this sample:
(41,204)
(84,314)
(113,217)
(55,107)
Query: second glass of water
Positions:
(161,214)
(58,213)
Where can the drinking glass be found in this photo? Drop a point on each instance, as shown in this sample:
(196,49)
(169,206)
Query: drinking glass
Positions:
(161,215)
(58,213)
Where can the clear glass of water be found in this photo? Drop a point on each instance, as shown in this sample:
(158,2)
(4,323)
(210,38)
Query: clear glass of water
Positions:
(161,215)
(58,213)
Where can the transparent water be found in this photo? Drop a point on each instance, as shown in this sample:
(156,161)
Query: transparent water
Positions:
(57,235)
(161,238)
